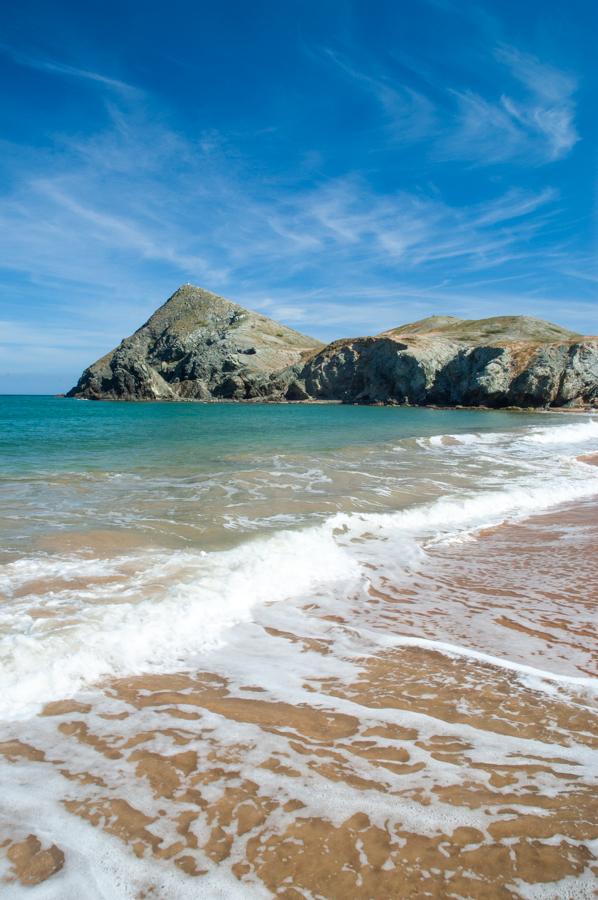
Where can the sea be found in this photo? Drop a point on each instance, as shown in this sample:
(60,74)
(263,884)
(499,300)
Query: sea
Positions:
(304,651)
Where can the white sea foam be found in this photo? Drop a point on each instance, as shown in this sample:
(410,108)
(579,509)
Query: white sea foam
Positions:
(534,675)
(478,509)
(572,433)
(571,887)
(568,433)
(64,568)
(467,438)
(164,608)
(209,594)
(99,866)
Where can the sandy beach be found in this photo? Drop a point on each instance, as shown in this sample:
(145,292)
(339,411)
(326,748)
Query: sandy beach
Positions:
(420,770)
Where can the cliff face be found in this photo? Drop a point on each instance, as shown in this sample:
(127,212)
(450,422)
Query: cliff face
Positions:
(200,346)
(196,346)
(504,361)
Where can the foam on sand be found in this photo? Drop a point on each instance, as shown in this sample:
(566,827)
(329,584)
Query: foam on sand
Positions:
(156,611)
(181,605)
(387,690)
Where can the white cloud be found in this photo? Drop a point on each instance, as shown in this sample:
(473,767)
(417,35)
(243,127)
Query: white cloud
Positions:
(531,120)
(409,114)
(43,64)
(141,198)
(538,126)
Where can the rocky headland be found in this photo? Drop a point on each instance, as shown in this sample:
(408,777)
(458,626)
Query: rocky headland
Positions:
(199,346)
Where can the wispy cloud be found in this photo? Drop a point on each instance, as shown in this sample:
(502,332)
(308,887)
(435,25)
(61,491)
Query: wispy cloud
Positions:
(115,230)
(409,114)
(550,109)
(43,64)
(537,125)
(130,213)
(529,119)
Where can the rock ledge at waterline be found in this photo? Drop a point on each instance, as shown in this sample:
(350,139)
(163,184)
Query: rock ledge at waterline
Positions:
(199,346)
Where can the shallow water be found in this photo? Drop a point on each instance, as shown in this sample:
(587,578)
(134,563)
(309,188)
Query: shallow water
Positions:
(337,611)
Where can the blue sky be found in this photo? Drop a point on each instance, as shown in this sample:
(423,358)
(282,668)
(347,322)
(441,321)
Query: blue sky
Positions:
(342,166)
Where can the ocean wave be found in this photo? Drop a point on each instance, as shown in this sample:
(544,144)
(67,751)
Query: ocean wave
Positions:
(572,433)
(209,594)
(166,607)
(448,440)
(195,598)
(19,572)
(534,676)
(478,509)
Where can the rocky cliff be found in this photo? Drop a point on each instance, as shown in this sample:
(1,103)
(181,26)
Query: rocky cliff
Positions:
(445,361)
(196,346)
(200,346)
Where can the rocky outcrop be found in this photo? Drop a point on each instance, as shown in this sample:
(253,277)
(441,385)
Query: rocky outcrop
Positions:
(503,361)
(198,346)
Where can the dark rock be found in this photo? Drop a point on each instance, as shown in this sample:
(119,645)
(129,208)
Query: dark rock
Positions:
(443,361)
(198,346)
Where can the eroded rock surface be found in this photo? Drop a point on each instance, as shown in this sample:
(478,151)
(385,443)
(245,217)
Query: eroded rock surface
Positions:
(198,346)
(504,361)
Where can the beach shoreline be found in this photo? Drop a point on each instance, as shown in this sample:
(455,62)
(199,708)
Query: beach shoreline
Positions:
(261,401)
(354,775)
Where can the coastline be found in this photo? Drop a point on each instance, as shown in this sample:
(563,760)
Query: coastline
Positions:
(585,410)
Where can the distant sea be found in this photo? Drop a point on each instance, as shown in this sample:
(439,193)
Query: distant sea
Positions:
(149,539)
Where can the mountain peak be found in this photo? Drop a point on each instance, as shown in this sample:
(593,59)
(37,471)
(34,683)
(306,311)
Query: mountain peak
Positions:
(200,346)
(197,345)
(189,305)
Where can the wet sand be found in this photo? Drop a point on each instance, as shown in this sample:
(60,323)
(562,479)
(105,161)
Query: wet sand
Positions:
(453,756)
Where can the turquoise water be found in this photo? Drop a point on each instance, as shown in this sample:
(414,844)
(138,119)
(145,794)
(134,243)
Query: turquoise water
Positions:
(138,535)
(208,476)
(55,434)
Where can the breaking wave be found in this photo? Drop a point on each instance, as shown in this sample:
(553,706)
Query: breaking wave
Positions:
(159,610)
